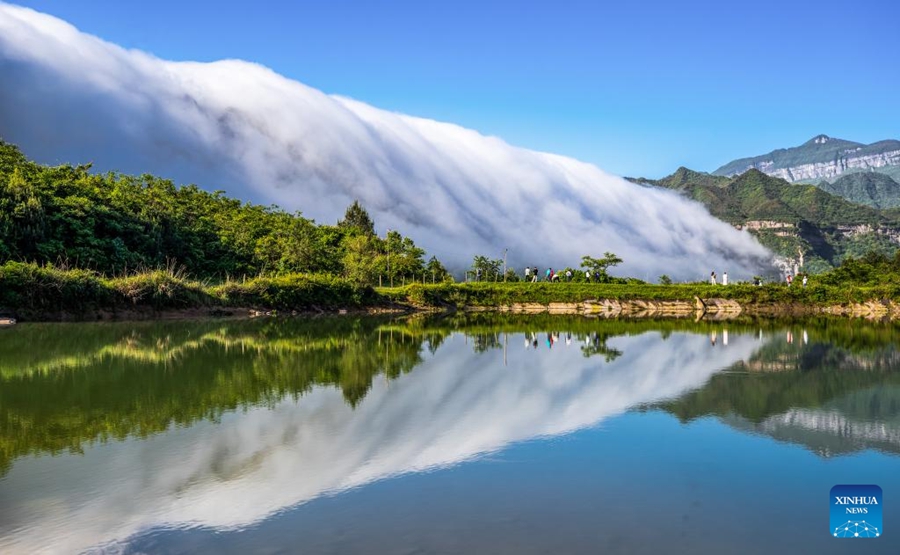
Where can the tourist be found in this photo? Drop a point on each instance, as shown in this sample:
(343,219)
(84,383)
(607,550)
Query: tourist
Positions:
(568,275)
(724,278)
(548,274)
(789,279)
(712,278)
(534,275)
(804,280)
(527,273)
(587,276)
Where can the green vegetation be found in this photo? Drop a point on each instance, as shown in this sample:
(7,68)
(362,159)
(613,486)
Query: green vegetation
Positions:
(78,245)
(878,187)
(791,218)
(869,188)
(492,295)
(782,375)
(42,292)
(754,195)
(97,382)
(598,266)
(116,224)
(90,382)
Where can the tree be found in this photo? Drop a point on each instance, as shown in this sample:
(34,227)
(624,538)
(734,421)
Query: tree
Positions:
(361,260)
(436,271)
(598,266)
(406,258)
(114,223)
(511,275)
(486,269)
(665,280)
(357,219)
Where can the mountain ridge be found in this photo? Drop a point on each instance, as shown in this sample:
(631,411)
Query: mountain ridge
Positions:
(820,158)
(795,221)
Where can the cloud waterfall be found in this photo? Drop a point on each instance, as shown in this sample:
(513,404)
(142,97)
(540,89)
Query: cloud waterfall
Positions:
(71,97)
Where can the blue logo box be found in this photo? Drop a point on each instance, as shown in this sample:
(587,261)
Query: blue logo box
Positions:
(856,511)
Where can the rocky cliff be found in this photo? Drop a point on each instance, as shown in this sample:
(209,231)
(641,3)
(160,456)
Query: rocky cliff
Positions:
(820,158)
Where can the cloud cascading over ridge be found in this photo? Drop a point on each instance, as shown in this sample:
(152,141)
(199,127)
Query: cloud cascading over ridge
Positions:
(71,97)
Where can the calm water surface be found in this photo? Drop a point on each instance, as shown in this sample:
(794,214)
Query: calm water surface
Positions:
(480,435)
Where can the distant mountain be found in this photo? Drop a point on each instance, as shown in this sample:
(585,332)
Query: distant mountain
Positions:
(791,219)
(820,158)
(757,196)
(869,188)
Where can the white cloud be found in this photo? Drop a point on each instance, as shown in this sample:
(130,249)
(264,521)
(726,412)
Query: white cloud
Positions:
(71,97)
(257,462)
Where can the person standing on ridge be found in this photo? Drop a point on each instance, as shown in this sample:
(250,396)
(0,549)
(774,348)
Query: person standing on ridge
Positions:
(712,278)
(724,278)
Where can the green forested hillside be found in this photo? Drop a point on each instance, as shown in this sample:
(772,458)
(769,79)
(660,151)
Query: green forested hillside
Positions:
(825,227)
(874,189)
(116,224)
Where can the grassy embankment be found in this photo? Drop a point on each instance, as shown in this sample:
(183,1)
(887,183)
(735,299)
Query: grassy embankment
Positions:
(34,292)
(44,292)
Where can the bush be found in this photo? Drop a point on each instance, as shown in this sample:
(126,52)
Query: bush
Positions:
(30,287)
(160,289)
(295,291)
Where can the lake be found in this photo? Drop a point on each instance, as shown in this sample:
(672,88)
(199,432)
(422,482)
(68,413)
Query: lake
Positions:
(460,434)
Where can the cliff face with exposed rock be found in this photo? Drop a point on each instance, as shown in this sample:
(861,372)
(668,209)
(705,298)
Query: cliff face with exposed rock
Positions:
(820,158)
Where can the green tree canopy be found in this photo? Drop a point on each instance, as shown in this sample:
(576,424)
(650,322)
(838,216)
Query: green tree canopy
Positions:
(357,219)
(598,266)
(486,269)
(115,224)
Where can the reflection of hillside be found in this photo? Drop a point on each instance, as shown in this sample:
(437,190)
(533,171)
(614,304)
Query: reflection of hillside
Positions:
(161,345)
(782,376)
(830,397)
(868,419)
(459,404)
(64,385)
(150,377)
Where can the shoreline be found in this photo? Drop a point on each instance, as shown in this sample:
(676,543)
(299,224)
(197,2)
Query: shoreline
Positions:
(33,293)
(705,309)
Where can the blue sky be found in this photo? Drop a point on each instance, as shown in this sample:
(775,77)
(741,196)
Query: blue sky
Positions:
(637,89)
